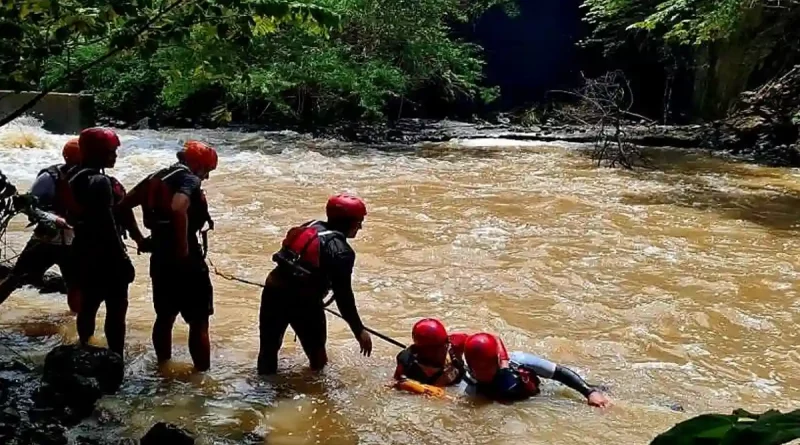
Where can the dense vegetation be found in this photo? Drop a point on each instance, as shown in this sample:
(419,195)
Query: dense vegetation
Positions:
(247,60)
(738,428)
(703,53)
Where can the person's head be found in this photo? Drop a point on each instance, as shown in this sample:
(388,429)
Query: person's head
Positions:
(480,353)
(98,147)
(430,340)
(346,213)
(199,157)
(72,152)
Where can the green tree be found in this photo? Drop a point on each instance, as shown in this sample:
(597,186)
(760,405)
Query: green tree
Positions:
(34,32)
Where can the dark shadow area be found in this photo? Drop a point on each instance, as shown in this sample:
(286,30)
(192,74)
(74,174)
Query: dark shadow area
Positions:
(530,54)
(774,208)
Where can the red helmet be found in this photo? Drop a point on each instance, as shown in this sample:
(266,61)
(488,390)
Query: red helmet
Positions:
(72,152)
(199,156)
(429,332)
(346,207)
(97,141)
(481,349)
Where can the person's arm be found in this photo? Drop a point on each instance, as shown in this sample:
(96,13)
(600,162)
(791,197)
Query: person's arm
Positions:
(549,370)
(187,184)
(44,190)
(343,260)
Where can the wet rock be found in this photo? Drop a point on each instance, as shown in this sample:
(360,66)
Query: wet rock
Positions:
(47,434)
(50,283)
(166,433)
(252,438)
(75,377)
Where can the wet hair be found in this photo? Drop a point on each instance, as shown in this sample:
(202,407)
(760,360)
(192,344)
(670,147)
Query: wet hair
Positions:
(181,157)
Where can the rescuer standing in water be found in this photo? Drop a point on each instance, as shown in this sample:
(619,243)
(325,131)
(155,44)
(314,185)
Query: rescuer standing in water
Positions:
(314,259)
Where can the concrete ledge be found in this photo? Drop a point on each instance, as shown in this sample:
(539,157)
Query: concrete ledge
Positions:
(61,113)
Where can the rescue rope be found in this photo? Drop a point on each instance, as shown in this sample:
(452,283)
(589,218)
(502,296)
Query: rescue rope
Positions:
(230,277)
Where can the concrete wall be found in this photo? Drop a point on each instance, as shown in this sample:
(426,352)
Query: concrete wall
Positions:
(62,113)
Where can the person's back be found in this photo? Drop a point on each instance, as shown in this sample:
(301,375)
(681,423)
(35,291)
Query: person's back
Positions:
(104,268)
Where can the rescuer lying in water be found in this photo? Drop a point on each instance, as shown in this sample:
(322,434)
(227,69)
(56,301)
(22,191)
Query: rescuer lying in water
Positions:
(437,359)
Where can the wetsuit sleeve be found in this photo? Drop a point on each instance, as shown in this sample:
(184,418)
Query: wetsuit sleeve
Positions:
(343,260)
(102,201)
(44,189)
(549,370)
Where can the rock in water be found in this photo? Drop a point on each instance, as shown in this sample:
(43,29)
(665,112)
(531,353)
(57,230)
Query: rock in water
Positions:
(166,433)
(75,377)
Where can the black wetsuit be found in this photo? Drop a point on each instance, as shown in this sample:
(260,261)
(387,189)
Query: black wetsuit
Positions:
(290,300)
(521,379)
(104,269)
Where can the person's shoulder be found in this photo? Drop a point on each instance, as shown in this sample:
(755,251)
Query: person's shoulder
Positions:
(338,246)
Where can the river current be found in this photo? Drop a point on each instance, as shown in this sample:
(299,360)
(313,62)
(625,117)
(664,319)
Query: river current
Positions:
(672,286)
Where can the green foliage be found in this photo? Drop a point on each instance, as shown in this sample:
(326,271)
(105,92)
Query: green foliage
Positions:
(248,58)
(691,22)
(740,428)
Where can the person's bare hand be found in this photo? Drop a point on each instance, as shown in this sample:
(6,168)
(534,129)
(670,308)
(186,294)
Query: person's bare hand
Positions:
(365,341)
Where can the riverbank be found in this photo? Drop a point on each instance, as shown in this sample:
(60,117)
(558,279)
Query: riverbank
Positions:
(730,138)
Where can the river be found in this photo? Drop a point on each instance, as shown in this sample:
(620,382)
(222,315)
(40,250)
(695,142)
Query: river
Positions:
(669,286)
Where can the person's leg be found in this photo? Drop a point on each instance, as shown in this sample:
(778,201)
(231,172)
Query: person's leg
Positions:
(200,344)
(197,308)
(116,314)
(33,262)
(272,323)
(166,312)
(93,296)
(66,263)
(311,328)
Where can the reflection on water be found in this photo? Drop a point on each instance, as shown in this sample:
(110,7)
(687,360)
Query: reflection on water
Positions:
(669,286)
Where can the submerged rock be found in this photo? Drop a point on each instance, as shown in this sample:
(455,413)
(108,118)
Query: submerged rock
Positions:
(75,377)
(166,433)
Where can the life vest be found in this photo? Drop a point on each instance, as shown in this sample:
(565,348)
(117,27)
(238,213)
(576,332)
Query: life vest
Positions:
(64,202)
(450,374)
(301,250)
(75,210)
(157,202)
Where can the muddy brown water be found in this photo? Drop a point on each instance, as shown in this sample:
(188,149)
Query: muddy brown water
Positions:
(673,286)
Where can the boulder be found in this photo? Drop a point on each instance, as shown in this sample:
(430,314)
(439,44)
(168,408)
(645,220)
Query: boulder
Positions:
(166,433)
(75,377)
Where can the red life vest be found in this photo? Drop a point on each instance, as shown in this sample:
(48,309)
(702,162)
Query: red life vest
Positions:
(157,202)
(302,248)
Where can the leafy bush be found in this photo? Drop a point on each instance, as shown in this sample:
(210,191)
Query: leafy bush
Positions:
(740,428)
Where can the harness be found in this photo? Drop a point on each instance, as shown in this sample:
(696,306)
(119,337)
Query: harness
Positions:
(158,203)
(301,250)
